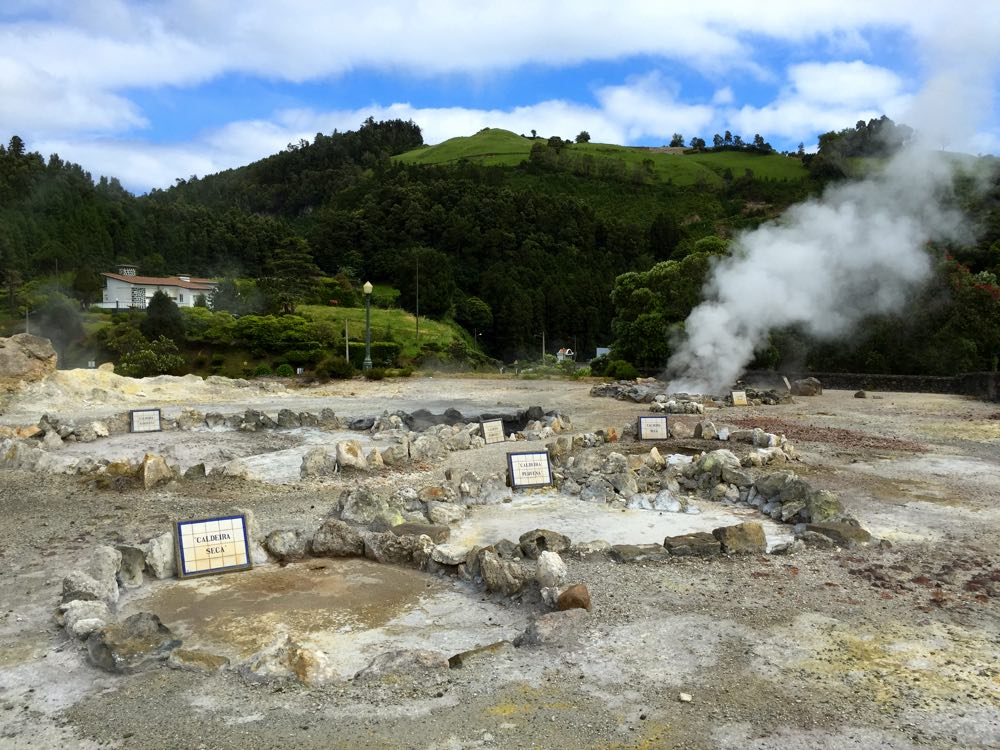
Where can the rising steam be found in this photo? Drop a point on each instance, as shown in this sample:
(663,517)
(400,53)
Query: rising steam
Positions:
(859,250)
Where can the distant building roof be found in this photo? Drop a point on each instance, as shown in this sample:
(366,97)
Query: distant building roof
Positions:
(189,282)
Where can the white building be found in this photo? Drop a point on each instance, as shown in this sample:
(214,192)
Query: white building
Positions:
(124,289)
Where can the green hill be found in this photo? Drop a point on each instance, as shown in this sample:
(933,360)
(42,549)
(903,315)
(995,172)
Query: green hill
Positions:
(496,147)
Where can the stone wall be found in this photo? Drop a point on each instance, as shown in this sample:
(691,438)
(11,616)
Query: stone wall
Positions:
(981,385)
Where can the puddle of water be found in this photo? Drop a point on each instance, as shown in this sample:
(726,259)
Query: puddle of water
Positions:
(582,521)
(351,609)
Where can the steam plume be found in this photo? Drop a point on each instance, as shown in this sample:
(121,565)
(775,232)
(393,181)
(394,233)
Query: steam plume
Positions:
(825,265)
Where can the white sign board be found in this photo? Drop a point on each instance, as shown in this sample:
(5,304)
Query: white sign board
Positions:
(787,384)
(529,469)
(493,431)
(212,545)
(739,398)
(144,420)
(653,428)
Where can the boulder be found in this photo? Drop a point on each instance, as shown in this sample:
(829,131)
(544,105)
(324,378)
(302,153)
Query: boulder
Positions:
(361,506)
(585,549)
(161,556)
(196,471)
(336,538)
(351,456)
(402,663)
(80,618)
(807,387)
(190,419)
(84,587)
(551,571)
(823,506)
(666,500)
(445,514)
(395,454)
(574,597)
(133,562)
(386,547)
(284,660)
(137,643)
(450,554)
(706,430)
(638,553)
(437,493)
(154,471)
(697,544)
(842,534)
(288,419)
(426,448)
(25,358)
(534,542)
(743,538)
(287,544)
(504,576)
(318,462)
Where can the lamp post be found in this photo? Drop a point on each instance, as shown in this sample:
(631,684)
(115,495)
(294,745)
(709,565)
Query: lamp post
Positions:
(367,364)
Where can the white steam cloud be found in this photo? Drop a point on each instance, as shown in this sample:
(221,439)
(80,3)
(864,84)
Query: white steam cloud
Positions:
(859,250)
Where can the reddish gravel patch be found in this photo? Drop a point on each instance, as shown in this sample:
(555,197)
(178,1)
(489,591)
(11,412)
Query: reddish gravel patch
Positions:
(831,435)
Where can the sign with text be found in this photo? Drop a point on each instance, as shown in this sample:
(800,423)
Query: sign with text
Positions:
(529,469)
(144,420)
(493,431)
(740,398)
(653,428)
(212,545)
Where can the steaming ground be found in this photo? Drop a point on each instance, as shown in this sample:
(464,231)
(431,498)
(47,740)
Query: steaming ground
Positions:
(824,266)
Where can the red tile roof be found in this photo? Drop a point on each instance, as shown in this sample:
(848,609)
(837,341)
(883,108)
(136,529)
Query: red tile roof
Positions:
(195,283)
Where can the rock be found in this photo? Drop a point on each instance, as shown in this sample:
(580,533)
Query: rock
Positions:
(84,587)
(698,544)
(25,359)
(791,511)
(743,538)
(712,464)
(361,506)
(438,533)
(552,627)
(574,597)
(386,547)
(427,448)
(860,394)
(450,554)
(446,514)
(105,564)
(351,456)
(551,570)
(585,549)
(625,483)
(842,534)
(336,538)
(814,539)
(318,462)
(807,387)
(641,501)
(403,662)
(195,660)
(190,419)
(288,419)
(374,459)
(481,653)
(706,430)
(437,493)
(598,490)
(823,506)
(638,553)
(504,576)
(655,460)
(666,500)
(614,463)
(153,471)
(133,562)
(161,556)
(137,643)
(287,544)
(772,485)
(684,697)
(259,555)
(197,471)
(533,543)
(395,454)
(285,659)
(80,617)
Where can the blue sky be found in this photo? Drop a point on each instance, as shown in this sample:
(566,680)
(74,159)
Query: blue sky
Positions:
(150,91)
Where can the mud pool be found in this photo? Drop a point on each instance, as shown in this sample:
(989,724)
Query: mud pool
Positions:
(350,609)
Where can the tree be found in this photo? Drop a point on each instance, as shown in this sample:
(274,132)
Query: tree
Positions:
(292,274)
(676,141)
(534,133)
(583,137)
(474,313)
(738,141)
(728,138)
(159,357)
(163,318)
(698,143)
(801,150)
(436,278)
(717,141)
(87,285)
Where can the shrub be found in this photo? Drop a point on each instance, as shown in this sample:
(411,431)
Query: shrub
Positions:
(384,353)
(158,357)
(583,372)
(334,367)
(200,361)
(599,365)
(619,369)
(304,357)
(284,370)
(218,360)
(376,373)
(261,371)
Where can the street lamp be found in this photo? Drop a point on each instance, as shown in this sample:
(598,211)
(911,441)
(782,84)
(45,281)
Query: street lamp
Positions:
(367,288)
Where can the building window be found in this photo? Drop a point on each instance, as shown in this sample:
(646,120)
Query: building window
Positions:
(139,297)
(180,297)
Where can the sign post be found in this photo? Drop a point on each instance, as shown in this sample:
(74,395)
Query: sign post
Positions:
(653,428)
(212,545)
(493,431)
(740,398)
(144,420)
(529,469)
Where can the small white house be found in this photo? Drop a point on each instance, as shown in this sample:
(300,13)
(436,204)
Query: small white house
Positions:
(124,289)
(565,354)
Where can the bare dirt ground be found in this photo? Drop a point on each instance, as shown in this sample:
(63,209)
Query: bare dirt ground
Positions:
(895,645)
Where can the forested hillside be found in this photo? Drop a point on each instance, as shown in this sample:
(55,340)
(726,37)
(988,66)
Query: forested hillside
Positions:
(515,238)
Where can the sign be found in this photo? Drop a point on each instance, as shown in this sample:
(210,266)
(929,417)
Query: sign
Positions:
(529,469)
(212,545)
(493,431)
(740,398)
(787,384)
(300,370)
(653,428)
(92,364)
(144,420)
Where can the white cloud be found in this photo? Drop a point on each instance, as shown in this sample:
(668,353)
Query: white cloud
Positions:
(844,83)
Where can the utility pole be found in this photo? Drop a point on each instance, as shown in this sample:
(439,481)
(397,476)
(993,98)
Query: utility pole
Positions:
(418,297)
(347,343)
(543,346)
